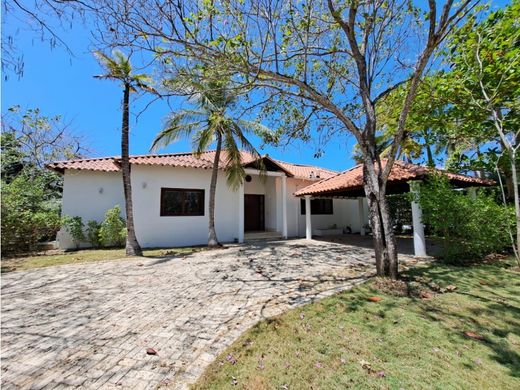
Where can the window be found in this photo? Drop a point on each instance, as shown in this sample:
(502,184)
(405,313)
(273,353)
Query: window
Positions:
(181,202)
(318,206)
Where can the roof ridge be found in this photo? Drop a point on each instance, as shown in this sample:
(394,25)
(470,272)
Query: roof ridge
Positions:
(337,174)
(83,159)
(306,165)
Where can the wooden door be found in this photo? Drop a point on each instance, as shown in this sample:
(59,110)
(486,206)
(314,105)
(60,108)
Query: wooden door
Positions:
(254,212)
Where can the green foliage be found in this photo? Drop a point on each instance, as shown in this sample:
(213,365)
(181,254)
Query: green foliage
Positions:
(74,226)
(30,192)
(471,228)
(400,210)
(482,87)
(214,97)
(29,215)
(118,67)
(112,231)
(93,228)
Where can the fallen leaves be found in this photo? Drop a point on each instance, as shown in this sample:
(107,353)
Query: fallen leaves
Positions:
(426,295)
(374,299)
(231,359)
(366,365)
(473,335)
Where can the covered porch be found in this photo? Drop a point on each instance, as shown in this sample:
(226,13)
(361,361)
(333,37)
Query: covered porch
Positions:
(262,202)
(403,178)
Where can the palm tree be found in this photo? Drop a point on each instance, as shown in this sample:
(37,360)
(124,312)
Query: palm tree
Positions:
(119,68)
(211,122)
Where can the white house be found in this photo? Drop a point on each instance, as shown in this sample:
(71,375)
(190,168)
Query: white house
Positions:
(171,197)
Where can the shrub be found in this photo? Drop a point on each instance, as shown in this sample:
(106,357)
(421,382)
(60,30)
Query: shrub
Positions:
(74,226)
(29,216)
(112,231)
(93,228)
(471,228)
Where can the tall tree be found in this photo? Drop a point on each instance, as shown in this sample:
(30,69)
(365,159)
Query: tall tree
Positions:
(429,133)
(483,84)
(320,64)
(211,122)
(31,194)
(119,68)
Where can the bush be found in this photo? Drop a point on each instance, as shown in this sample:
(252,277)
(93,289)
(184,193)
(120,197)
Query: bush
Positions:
(93,228)
(112,231)
(29,216)
(471,228)
(74,226)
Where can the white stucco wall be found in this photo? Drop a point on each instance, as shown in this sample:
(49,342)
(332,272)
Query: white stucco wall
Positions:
(90,194)
(155,231)
(82,197)
(346,213)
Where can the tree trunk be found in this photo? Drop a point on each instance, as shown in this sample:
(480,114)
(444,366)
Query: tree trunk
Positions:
(132,245)
(385,246)
(431,162)
(516,195)
(212,238)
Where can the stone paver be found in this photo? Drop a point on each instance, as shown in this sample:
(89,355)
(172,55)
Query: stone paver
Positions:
(88,326)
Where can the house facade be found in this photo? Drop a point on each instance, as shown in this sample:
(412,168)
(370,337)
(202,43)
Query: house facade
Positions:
(171,198)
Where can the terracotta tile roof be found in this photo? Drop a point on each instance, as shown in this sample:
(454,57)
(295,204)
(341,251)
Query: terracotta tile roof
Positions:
(104,164)
(352,179)
(307,172)
(186,160)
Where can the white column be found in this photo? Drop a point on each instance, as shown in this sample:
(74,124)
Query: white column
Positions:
(419,241)
(308,223)
(472,193)
(361,209)
(241,213)
(284,206)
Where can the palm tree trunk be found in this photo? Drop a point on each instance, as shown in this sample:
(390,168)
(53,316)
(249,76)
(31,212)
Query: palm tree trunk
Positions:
(212,237)
(132,245)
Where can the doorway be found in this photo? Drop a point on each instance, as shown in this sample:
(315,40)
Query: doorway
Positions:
(254,211)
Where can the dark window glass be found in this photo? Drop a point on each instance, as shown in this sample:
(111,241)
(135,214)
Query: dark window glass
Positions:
(318,206)
(178,202)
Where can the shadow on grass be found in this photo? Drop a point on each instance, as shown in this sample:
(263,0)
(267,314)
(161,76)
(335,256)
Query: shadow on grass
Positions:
(486,302)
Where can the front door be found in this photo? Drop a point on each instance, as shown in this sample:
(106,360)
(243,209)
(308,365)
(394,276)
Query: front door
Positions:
(254,212)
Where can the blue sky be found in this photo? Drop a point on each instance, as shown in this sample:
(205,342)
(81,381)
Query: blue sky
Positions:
(59,84)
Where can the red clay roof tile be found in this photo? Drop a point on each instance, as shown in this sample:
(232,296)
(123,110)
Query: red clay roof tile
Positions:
(352,179)
(186,160)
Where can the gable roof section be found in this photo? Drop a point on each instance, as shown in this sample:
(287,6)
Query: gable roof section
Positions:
(350,182)
(188,160)
(308,172)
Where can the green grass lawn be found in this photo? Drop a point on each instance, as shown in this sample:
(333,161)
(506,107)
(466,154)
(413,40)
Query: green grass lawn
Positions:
(86,256)
(400,342)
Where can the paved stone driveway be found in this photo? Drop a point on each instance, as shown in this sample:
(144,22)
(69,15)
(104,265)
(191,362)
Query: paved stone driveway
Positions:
(90,325)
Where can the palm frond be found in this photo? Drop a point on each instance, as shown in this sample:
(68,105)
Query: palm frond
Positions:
(123,62)
(235,172)
(179,125)
(256,128)
(202,140)
(247,146)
